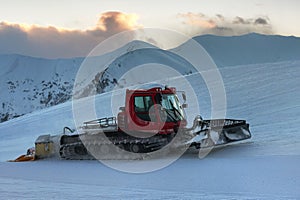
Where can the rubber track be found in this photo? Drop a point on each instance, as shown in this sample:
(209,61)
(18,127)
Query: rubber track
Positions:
(94,149)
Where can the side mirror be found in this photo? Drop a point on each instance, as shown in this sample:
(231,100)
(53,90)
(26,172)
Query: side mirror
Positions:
(185,105)
(184,96)
(122,109)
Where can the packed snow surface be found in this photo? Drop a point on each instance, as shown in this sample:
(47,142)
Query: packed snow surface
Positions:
(265,167)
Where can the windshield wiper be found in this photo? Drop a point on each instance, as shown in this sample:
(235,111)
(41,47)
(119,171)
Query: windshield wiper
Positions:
(176,110)
(170,115)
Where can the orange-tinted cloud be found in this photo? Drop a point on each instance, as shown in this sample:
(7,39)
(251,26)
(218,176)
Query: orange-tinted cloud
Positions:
(198,23)
(118,21)
(198,19)
(52,42)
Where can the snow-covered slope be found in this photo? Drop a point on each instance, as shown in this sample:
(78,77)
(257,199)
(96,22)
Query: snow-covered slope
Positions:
(266,95)
(28,84)
(266,167)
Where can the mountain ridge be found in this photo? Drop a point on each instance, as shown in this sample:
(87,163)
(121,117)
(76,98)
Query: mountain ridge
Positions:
(252,48)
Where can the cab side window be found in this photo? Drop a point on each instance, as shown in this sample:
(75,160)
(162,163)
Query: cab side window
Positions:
(142,104)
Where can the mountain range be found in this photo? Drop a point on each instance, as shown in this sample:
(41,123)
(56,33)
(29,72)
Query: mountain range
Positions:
(28,83)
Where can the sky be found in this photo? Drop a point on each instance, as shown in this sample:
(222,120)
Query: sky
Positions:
(71,28)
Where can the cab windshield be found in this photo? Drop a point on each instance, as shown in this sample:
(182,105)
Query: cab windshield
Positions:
(172,108)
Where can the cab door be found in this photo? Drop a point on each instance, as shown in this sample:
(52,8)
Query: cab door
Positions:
(143,113)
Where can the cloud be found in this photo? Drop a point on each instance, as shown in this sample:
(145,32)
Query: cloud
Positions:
(197,19)
(253,21)
(261,21)
(240,20)
(116,21)
(52,42)
(199,23)
(221,17)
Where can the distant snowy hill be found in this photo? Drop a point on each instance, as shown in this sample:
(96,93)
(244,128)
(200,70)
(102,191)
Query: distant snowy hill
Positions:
(250,49)
(28,84)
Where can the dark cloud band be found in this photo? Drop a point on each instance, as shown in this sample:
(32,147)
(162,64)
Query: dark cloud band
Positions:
(51,42)
(199,23)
